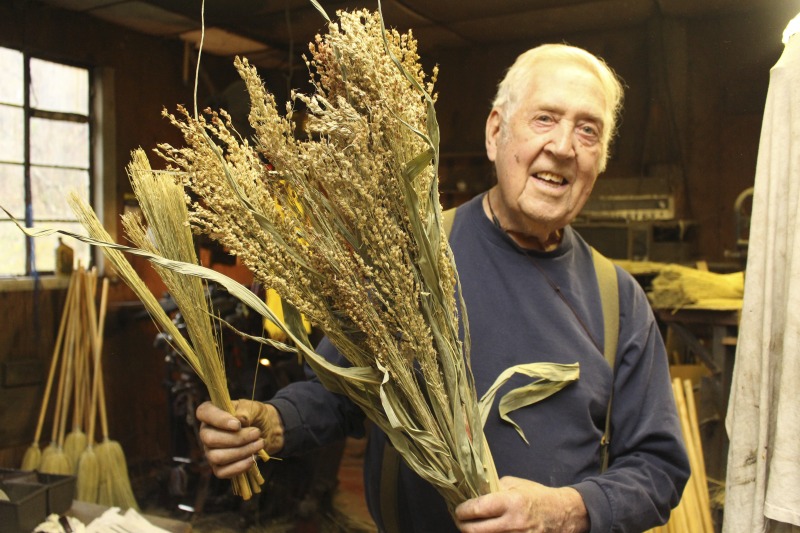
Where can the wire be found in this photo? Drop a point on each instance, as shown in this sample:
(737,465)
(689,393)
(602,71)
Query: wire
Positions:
(199,51)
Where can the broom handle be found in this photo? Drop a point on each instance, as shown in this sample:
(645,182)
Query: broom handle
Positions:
(83,414)
(97,378)
(96,329)
(68,364)
(54,361)
(68,347)
(82,389)
(70,371)
(701,481)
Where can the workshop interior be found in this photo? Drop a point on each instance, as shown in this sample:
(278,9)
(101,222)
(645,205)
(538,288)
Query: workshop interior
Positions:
(88,83)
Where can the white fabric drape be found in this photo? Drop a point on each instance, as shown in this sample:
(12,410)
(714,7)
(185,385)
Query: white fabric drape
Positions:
(763,419)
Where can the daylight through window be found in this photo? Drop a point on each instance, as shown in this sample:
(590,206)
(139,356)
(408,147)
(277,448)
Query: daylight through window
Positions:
(45,153)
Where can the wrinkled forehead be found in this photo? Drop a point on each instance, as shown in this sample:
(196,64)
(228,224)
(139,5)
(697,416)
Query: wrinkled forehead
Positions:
(565,88)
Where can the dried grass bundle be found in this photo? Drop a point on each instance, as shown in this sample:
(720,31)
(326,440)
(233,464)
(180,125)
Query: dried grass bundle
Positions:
(677,286)
(168,234)
(346,226)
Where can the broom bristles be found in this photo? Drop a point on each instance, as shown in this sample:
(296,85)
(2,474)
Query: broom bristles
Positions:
(32,458)
(74,445)
(49,449)
(56,462)
(88,477)
(115,484)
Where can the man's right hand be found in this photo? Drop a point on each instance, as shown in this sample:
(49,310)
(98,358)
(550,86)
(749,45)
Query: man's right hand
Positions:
(231,441)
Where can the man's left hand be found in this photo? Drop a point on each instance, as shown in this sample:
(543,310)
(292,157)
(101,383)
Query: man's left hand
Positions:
(524,506)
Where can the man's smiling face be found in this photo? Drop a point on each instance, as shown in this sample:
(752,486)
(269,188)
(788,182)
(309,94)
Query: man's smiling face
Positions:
(550,149)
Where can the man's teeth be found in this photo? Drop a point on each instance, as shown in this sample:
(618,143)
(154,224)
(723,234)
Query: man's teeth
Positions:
(552,178)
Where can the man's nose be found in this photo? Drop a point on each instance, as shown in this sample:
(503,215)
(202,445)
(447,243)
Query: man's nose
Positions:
(561,142)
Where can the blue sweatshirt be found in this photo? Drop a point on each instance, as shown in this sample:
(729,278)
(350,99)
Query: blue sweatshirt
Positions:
(516,316)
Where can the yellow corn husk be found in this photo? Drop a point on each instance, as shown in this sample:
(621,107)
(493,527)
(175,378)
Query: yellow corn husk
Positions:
(274,330)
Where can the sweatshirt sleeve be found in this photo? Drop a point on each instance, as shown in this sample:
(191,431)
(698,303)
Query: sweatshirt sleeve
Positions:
(648,465)
(313,416)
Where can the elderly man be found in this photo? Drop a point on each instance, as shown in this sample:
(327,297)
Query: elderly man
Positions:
(532,295)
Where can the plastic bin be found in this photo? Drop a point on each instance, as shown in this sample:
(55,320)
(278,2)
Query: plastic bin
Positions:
(26,508)
(60,489)
(26,476)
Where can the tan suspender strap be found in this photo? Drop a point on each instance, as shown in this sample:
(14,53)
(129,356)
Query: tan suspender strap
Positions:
(609,299)
(390,470)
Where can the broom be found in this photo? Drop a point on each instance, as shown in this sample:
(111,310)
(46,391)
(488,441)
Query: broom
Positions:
(33,455)
(88,466)
(114,483)
(54,459)
(76,441)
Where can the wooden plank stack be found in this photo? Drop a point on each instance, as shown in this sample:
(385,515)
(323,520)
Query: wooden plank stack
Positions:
(693,513)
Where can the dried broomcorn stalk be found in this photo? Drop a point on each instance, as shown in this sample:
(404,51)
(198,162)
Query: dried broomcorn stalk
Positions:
(343,220)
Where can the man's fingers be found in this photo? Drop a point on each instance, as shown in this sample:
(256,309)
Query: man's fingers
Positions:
(211,415)
(229,462)
(214,438)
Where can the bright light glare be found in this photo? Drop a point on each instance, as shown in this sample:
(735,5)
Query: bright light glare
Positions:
(265,362)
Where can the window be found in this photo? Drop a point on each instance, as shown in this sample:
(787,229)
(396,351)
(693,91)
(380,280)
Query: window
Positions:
(45,153)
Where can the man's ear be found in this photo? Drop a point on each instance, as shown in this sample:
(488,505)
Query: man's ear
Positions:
(494,123)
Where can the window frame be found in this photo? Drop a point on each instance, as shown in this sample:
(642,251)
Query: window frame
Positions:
(102,162)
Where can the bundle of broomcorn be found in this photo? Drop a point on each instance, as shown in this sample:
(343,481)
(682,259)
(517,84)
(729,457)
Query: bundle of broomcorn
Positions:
(677,286)
(346,226)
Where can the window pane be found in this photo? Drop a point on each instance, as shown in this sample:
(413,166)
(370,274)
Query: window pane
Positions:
(12,121)
(12,191)
(57,87)
(50,188)
(45,247)
(12,241)
(56,142)
(11,82)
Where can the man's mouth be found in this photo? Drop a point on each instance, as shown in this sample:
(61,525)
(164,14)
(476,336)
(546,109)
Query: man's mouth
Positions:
(551,178)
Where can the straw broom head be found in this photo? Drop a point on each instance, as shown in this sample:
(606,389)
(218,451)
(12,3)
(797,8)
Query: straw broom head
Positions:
(115,482)
(162,201)
(32,458)
(88,476)
(74,445)
(57,462)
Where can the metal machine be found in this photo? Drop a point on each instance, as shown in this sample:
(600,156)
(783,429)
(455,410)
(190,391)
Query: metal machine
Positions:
(635,219)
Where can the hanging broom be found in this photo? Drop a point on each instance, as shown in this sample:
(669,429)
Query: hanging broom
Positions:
(33,455)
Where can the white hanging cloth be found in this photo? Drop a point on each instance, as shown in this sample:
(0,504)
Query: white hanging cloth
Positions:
(762,490)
